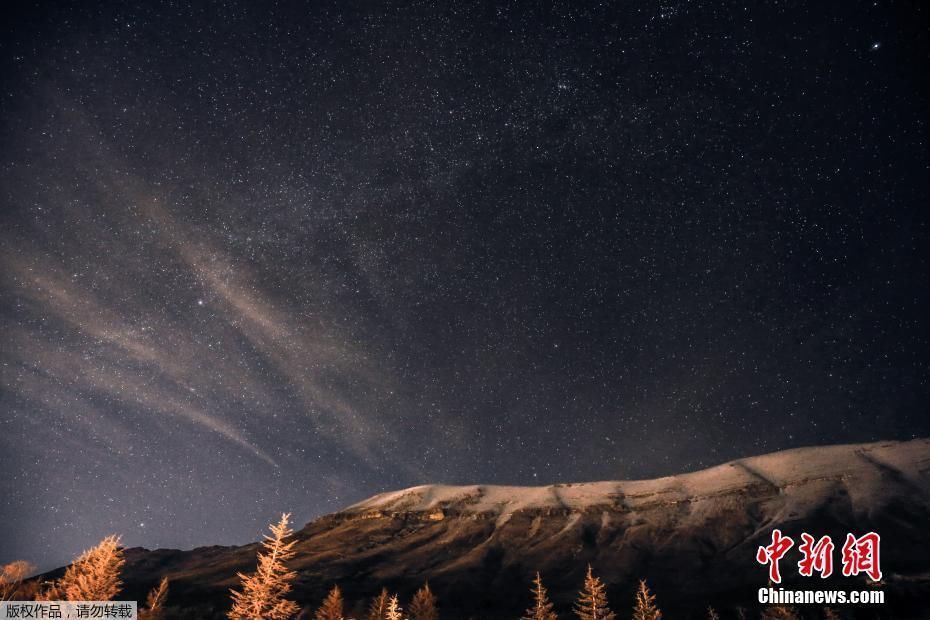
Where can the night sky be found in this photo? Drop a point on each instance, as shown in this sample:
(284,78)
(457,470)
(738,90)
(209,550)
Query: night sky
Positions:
(284,257)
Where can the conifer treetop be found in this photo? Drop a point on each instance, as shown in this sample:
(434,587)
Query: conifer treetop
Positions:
(379,605)
(93,576)
(332,608)
(645,608)
(542,608)
(394,611)
(592,600)
(262,594)
(423,605)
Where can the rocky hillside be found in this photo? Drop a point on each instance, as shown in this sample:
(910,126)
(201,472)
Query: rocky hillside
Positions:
(693,536)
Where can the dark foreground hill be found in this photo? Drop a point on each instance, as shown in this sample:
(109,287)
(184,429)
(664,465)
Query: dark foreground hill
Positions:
(693,536)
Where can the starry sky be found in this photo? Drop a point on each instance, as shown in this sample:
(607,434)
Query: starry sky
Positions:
(276,256)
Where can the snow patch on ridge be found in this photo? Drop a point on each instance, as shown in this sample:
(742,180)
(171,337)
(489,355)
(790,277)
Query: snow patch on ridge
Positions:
(803,471)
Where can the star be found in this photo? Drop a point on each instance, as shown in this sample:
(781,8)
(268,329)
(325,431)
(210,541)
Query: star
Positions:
(572,253)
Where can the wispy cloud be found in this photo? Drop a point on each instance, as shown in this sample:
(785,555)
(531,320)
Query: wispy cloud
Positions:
(230,376)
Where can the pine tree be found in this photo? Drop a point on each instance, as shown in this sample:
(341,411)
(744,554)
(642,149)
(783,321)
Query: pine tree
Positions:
(262,594)
(379,605)
(645,608)
(93,576)
(779,612)
(542,608)
(155,603)
(712,614)
(332,606)
(11,578)
(394,611)
(592,600)
(423,605)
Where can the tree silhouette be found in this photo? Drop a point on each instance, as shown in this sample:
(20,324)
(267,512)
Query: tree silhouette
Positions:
(155,602)
(592,600)
(394,611)
(332,606)
(11,578)
(779,612)
(423,605)
(645,608)
(262,594)
(542,608)
(379,606)
(93,576)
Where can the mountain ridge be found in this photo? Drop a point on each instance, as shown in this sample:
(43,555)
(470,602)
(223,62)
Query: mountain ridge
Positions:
(693,536)
(777,470)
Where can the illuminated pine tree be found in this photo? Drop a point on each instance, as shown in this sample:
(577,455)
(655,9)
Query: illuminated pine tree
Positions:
(155,602)
(592,600)
(11,578)
(93,576)
(379,605)
(779,612)
(262,594)
(332,606)
(712,614)
(645,608)
(394,611)
(542,608)
(423,605)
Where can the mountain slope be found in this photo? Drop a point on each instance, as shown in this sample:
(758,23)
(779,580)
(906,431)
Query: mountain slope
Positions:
(693,536)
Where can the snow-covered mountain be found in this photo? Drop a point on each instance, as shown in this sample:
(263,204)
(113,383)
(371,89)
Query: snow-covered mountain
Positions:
(693,536)
(800,476)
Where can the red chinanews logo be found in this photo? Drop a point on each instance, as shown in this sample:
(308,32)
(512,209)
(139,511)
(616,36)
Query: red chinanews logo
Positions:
(859,555)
